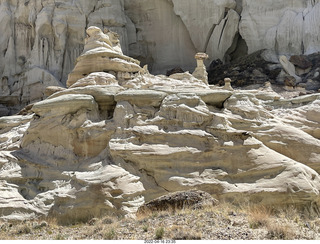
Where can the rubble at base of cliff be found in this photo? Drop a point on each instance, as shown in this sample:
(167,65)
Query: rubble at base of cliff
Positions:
(255,70)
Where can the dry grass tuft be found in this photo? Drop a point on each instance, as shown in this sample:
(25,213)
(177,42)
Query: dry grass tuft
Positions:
(223,222)
(5,236)
(109,234)
(107,228)
(180,233)
(51,221)
(278,231)
(258,216)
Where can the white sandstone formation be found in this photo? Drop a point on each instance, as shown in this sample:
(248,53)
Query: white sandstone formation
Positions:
(286,27)
(201,70)
(41,39)
(227,84)
(105,146)
(102,52)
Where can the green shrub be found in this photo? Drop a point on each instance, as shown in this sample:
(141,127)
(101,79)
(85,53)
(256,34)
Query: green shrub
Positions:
(59,237)
(159,233)
(110,235)
(145,228)
(24,230)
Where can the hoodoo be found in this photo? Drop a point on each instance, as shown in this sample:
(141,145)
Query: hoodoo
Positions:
(119,136)
(102,53)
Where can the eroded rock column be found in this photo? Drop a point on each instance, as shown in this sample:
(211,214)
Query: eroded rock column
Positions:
(201,71)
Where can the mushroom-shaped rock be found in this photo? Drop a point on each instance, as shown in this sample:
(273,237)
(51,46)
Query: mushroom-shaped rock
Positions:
(201,56)
(227,84)
(201,72)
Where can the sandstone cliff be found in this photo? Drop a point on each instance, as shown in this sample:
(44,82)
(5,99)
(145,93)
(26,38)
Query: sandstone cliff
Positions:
(120,137)
(41,39)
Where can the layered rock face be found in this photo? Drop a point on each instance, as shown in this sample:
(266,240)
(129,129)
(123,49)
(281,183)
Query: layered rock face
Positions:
(107,145)
(41,39)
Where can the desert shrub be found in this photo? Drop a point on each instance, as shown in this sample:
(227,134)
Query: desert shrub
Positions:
(41,225)
(107,221)
(92,221)
(159,233)
(24,230)
(110,234)
(145,228)
(59,237)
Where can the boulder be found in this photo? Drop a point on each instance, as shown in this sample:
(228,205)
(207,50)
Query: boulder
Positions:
(290,81)
(180,200)
(312,85)
(245,71)
(289,68)
(300,61)
(174,71)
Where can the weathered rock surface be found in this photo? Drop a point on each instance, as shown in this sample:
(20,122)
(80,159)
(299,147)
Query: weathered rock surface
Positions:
(108,145)
(284,27)
(102,52)
(41,39)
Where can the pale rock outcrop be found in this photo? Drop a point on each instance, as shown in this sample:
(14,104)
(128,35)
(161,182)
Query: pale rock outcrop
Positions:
(103,95)
(221,42)
(96,78)
(286,27)
(153,25)
(313,113)
(41,39)
(65,143)
(294,143)
(201,17)
(52,89)
(12,129)
(102,53)
(141,98)
(108,145)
